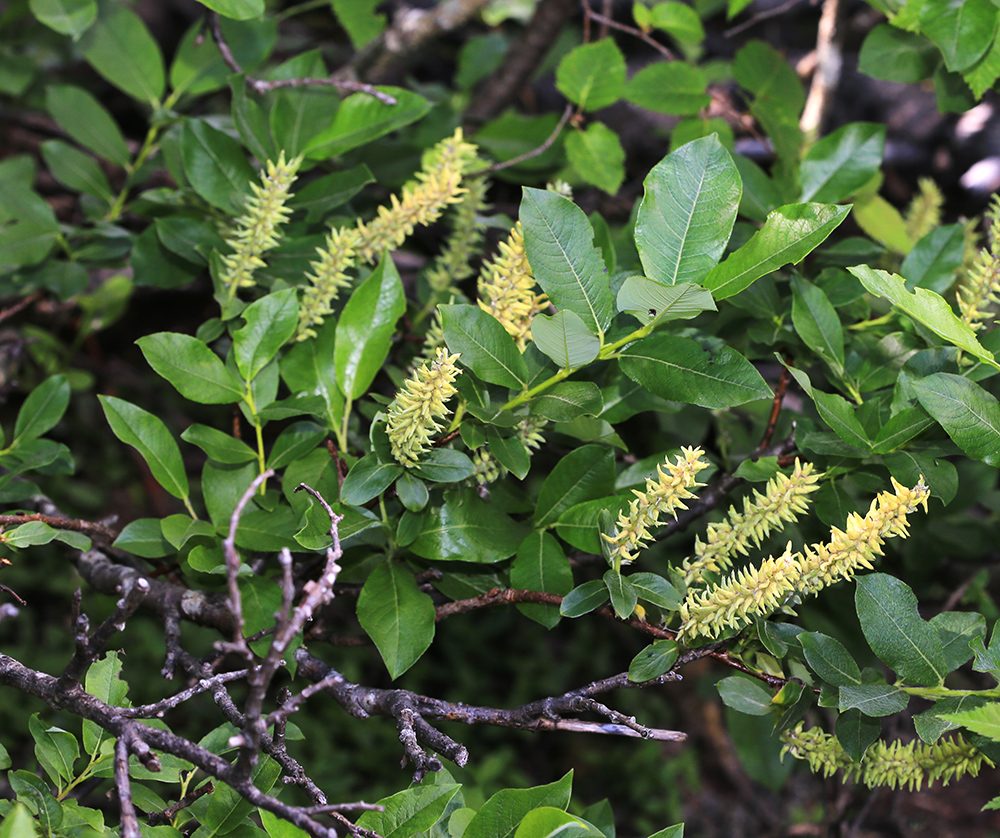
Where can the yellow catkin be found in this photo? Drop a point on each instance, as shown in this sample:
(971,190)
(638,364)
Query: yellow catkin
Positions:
(257,229)
(893,764)
(924,212)
(757,591)
(981,285)
(784,499)
(420,402)
(507,289)
(662,497)
(454,264)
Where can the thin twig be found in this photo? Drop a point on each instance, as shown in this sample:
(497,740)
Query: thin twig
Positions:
(757,18)
(535,152)
(129,820)
(631,30)
(20,305)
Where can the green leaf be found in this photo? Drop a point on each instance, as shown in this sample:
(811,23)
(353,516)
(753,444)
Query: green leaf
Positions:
(677,830)
(559,243)
(679,20)
(297,440)
(687,212)
(685,370)
(893,54)
(359,19)
(839,164)
(584,474)
(104,683)
(896,632)
(484,344)
(655,590)
(744,695)
(361,119)
(308,368)
(121,49)
(578,524)
(817,323)
(968,413)
(934,259)
(790,233)
(872,699)
(510,452)
(499,816)
(143,537)
(444,465)
(836,411)
(28,228)
(410,811)
(829,659)
(67,17)
(270,323)
(88,122)
(653,661)
(397,616)
(466,528)
(963,29)
(982,720)
(565,338)
(592,75)
(367,479)
(55,749)
(900,429)
(42,410)
(958,629)
(654,302)
(584,598)
(623,595)
(236,9)
(598,157)
(216,166)
(38,532)
(150,437)
(76,170)
(567,400)
(856,732)
(218,445)
(669,87)
(194,369)
(549,822)
(365,328)
(541,565)
(227,808)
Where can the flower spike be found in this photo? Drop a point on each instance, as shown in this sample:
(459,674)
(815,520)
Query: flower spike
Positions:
(418,405)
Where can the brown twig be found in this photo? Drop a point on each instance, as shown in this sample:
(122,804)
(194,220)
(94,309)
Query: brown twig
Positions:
(535,152)
(631,30)
(759,16)
(20,305)
(74,524)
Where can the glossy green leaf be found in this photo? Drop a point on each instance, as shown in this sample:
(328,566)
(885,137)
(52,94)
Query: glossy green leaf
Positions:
(744,695)
(397,616)
(104,683)
(654,590)
(836,411)
(67,17)
(982,720)
(236,9)
(687,212)
(684,370)
(466,528)
(365,329)
(872,699)
(510,452)
(893,54)
(934,259)
(55,749)
(903,640)
(216,166)
(679,20)
(76,170)
(653,661)
(900,429)
(269,324)
(42,410)
(963,29)
(297,440)
(444,465)
(623,595)
(411,811)
(360,20)
(549,822)
(143,537)
(194,369)
(367,479)
(567,400)
(856,732)
(38,532)
(499,816)
(149,436)
(969,414)
(541,565)
(88,122)
(227,809)
(120,47)
(28,228)
(592,75)
(842,162)
(584,474)
(584,598)
(790,233)
(817,322)
(958,630)
(829,659)
(565,338)
(559,242)
(650,301)
(484,344)
(578,524)
(669,87)
(361,119)
(218,445)
(308,368)
(598,157)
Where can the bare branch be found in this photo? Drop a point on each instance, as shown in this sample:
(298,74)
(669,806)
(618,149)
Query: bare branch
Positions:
(129,819)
